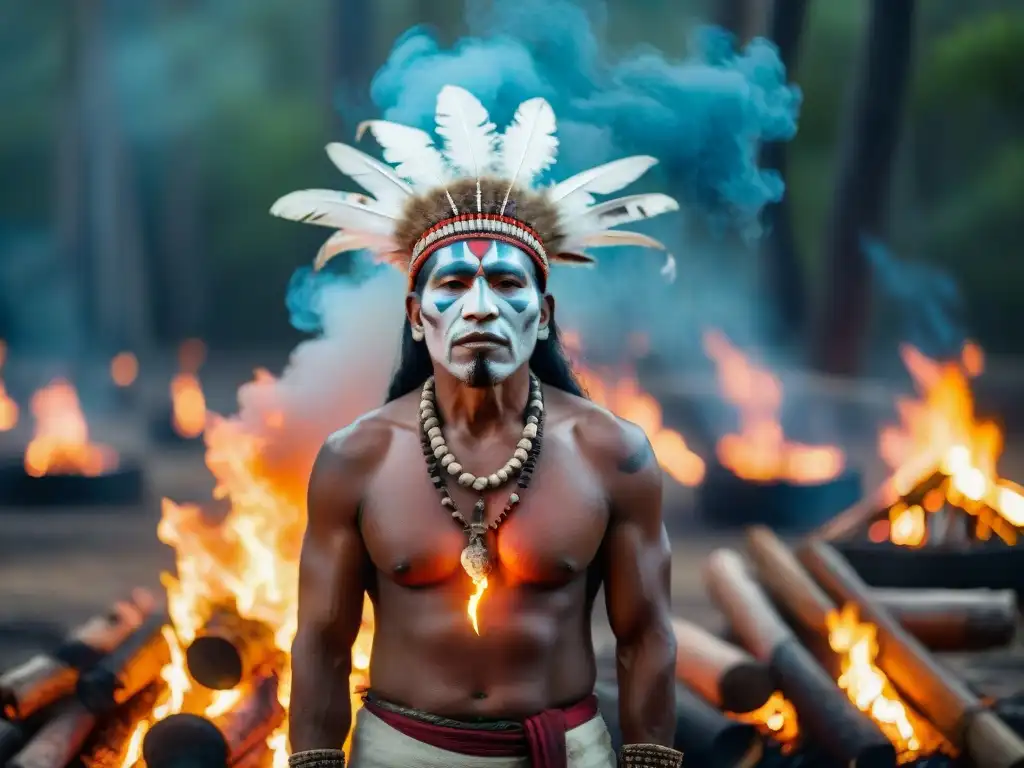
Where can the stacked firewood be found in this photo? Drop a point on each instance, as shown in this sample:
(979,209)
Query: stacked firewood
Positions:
(802,624)
(78,701)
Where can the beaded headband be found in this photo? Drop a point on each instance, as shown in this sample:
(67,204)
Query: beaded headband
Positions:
(478,184)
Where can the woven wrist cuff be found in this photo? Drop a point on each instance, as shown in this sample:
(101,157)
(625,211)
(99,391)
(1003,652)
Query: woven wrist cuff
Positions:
(649,756)
(317,758)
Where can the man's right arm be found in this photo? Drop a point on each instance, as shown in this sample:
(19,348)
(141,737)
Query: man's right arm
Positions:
(331,588)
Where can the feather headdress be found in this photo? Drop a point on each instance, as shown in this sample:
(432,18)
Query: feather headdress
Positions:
(479,183)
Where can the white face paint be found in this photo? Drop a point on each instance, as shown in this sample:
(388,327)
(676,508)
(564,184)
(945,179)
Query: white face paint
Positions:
(481,310)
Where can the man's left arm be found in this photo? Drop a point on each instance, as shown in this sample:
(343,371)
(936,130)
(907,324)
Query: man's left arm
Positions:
(637,583)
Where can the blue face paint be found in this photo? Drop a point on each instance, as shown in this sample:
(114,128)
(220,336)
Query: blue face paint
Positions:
(492,291)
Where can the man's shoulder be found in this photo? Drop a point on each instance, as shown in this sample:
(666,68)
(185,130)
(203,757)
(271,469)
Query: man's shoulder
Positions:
(366,440)
(611,441)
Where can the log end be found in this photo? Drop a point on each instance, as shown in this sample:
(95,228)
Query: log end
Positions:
(184,741)
(745,687)
(990,741)
(214,662)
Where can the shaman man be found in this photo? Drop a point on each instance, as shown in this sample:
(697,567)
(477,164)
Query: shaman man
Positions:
(484,505)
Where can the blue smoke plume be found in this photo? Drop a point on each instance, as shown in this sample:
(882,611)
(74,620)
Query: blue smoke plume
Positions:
(703,116)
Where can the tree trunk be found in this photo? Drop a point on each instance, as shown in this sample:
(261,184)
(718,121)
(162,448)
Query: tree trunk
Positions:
(115,260)
(183,278)
(781,268)
(865,163)
(744,18)
(350,65)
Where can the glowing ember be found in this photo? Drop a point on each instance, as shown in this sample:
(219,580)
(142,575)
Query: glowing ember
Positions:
(188,414)
(61,444)
(124,369)
(868,687)
(907,525)
(942,422)
(188,403)
(760,451)
(474,603)
(775,718)
(621,394)
(8,408)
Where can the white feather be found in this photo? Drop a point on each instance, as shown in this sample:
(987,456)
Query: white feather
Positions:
(347,240)
(621,210)
(410,150)
(613,238)
(529,145)
(340,210)
(576,192)
(379,180)
(469,135)
(668,271)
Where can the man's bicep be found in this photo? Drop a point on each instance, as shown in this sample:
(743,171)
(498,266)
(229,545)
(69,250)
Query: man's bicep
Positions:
(638,554)
(333,561)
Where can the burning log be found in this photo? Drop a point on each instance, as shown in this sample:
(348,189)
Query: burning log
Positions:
(229,650)
(946,701)
(941,619)
(703,734)
(721,673)
(45,678)
(913,479)
(191,741)
(824,710)
(954,619)
(59,741)
(129,668)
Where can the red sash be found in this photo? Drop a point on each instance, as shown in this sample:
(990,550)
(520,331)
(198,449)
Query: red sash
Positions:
(542,738)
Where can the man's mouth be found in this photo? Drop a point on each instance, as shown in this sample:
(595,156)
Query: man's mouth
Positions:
(480,339)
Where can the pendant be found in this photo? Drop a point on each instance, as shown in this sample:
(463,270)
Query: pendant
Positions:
(476,560)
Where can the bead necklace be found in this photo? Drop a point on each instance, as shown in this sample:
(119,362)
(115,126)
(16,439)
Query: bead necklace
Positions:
(476,560)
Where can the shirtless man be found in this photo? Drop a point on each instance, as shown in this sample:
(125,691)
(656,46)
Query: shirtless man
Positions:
(486,471)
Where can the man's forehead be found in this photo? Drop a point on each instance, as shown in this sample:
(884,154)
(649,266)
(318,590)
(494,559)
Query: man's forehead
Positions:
(482,252)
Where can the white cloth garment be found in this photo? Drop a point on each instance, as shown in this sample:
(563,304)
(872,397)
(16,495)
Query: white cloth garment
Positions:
(375,744)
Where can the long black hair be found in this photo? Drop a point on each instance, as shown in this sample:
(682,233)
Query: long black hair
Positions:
(548,362)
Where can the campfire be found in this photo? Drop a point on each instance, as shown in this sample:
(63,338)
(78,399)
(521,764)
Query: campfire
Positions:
(61,444)
(188,404)
(964,493)
(758,473)
(8,408)
(620,393)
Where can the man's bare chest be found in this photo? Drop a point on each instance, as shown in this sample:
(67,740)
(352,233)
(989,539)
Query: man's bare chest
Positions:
(549,538)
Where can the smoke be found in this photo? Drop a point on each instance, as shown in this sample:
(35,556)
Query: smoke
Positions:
(703,116)
(923,302)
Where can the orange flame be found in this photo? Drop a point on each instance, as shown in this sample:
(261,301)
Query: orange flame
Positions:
(870,690)
(249,559)
(942,421)
(621,394)
(8,408)
(760,451)
(124,369)
(61,443)
(474,603)
(188,403)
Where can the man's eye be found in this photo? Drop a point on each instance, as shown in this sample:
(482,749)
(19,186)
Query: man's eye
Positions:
(509,284)
(450,284)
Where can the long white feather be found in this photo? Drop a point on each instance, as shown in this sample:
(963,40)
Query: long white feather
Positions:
(347,240)
(411,151)
(621,210)
(576,192)
(378,179)
(529,145)
(469,135)
(613,238)
(340,210)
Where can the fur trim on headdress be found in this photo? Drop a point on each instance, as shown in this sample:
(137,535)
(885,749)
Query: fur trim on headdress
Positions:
(478,184)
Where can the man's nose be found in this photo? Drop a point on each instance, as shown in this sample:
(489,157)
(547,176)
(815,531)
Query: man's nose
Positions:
(480,304)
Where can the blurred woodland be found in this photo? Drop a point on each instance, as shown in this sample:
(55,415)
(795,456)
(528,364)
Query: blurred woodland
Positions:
(142,143)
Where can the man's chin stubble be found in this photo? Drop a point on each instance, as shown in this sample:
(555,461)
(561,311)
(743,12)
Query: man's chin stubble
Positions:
(480,373)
